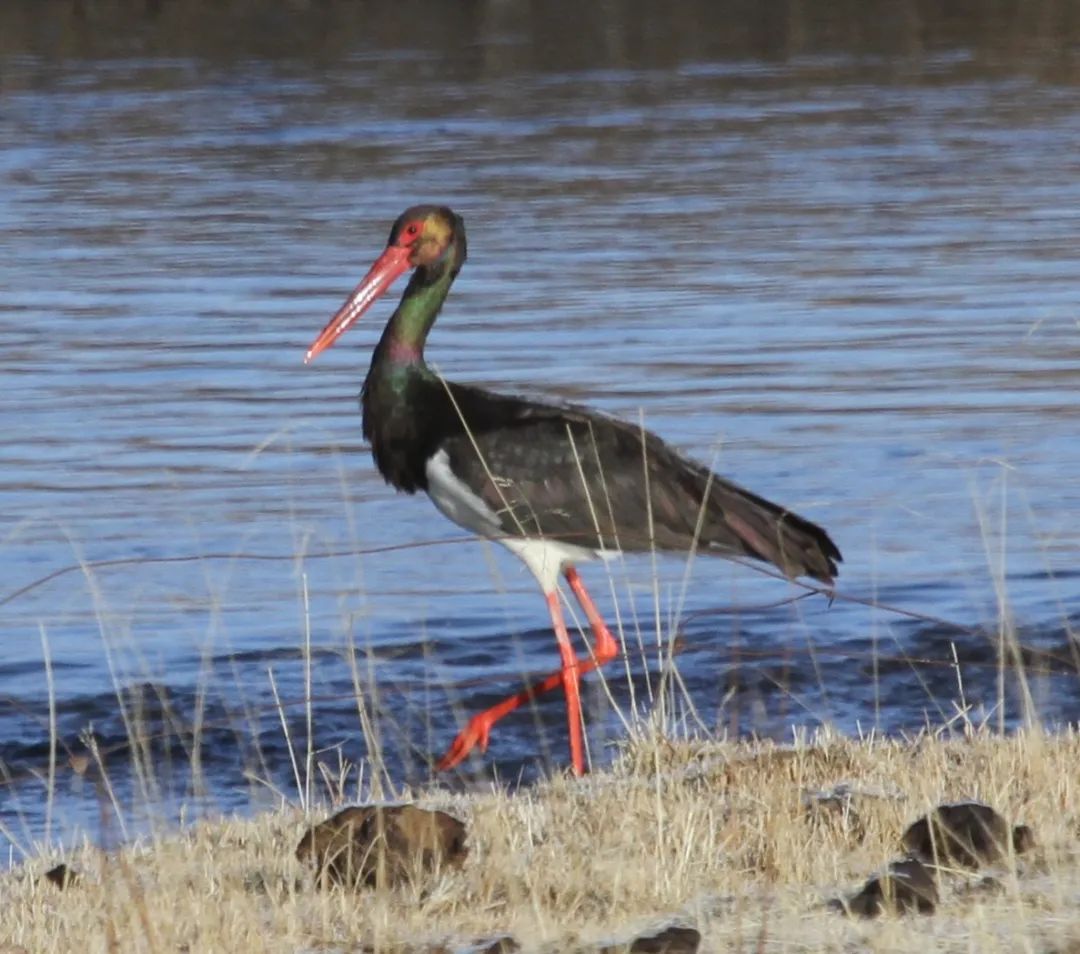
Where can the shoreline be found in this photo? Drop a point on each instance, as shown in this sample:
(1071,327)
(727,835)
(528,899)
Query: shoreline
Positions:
(745,842)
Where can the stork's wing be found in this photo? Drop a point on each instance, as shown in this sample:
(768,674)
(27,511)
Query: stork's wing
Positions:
(582,478)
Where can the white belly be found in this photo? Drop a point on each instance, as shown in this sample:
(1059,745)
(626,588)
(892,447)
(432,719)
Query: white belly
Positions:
(545,558)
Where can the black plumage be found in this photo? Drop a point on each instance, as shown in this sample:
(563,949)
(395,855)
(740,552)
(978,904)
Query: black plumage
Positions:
(568,474)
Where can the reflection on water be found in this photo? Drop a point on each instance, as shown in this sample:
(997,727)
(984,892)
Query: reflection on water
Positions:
(834,250)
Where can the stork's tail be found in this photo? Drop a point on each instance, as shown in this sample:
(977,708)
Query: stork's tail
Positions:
(770,533)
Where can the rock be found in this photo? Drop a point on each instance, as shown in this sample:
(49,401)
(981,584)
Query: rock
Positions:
(62,876)
(986,886)
(504,944)
(966,834)
(412,947)
(907,885)
(671,940)
(382,845)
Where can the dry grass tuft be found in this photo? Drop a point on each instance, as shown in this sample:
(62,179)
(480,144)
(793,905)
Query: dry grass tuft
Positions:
(746,842)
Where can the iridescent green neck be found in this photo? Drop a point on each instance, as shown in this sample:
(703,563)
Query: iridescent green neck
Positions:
(403,340)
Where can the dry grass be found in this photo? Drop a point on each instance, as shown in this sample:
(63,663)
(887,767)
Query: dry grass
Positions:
(718,835)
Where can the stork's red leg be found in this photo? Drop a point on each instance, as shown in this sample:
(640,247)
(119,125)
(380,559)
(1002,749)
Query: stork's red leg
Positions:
(478,731)
(605,648)
(571,677)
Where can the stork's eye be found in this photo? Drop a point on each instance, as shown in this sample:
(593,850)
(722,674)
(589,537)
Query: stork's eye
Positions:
(412,230)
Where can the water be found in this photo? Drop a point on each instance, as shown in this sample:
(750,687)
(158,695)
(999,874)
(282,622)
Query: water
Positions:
(838,255)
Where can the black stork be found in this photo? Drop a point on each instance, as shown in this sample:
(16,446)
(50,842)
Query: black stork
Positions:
(554,484)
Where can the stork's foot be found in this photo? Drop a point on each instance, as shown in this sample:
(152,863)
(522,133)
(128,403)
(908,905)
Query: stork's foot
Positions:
(478,730)
(476,733)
